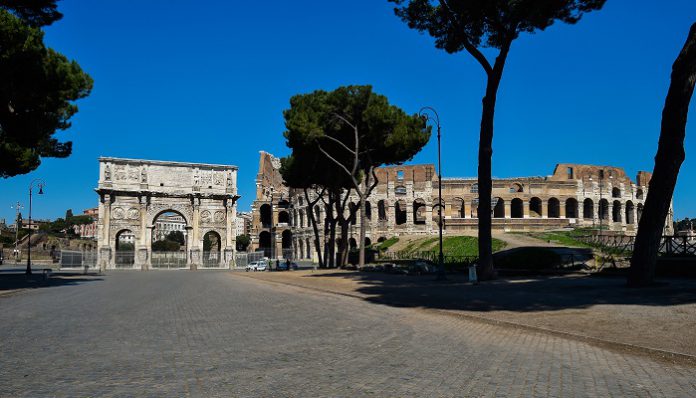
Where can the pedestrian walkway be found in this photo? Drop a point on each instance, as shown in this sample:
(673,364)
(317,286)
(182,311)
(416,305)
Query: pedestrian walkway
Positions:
(221,334)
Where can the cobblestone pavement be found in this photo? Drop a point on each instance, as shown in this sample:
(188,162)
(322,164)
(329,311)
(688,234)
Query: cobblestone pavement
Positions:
(208,333)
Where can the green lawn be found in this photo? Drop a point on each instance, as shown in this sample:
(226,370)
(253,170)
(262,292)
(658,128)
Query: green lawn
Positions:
(564,238)
(451,245)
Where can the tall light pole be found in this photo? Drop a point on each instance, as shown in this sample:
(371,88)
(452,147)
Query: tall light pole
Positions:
(17,207)
(40,184)
(428,113)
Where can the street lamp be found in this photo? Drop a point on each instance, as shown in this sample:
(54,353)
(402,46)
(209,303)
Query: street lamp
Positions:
(428,114)
(39,183)
(18,207)
(271,228)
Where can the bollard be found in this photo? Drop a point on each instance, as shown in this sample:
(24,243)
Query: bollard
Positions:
(472,274)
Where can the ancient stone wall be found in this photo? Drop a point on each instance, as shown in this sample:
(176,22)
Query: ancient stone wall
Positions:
(405,203)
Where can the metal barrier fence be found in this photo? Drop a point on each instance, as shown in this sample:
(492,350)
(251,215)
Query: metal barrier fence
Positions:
(212,259)
(428,255)
(169,260)
(242,259)
(124,259)
(618,244)
(77,259)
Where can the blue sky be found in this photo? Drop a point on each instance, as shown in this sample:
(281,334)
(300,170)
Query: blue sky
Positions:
(207,81)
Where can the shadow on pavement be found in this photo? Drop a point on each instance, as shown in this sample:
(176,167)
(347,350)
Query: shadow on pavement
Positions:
(513,294)
(18,280)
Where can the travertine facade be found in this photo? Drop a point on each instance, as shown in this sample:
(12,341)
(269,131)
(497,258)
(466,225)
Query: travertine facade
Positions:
(404,202)
(134,193)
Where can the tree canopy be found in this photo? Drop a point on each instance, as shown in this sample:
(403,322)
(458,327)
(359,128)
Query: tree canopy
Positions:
(37,88)
(386,134)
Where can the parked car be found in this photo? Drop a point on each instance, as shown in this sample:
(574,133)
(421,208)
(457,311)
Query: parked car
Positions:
(256,266)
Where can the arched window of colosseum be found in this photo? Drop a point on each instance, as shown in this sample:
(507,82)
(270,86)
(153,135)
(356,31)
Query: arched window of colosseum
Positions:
(368,210)
(535,207)
(615,193)
(630,219)
(265,212)
(317,213)
(514,188)
(382,210)
(436,209)
(516,208)
(368,242)
(400,190)
(419,212)
(400,212)
(639,211)
(554,208)
(353,243)
(499,208)
(474,188)
(381,239)
(352,212)
(588,209)
(639,194)
(571,208)
(458,208)
(616,212)
(283,203)
(604,209)
(265,243)
(283,217)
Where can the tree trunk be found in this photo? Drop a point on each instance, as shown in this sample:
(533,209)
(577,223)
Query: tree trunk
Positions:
(485,182)
(670,155)
(361,259)
(315,227)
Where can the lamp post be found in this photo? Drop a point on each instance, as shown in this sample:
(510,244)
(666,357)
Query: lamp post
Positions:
(17,207)
(429,113)
(39,183)
(273,238)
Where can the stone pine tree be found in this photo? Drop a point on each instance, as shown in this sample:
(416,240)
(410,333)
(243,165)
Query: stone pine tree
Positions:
(37,88)
(303,171)
(669,158)
(470,25)
(357,130)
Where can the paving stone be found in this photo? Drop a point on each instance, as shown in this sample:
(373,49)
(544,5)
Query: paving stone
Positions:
(215,334)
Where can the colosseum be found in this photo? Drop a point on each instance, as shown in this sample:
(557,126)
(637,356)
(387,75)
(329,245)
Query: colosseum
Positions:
(405,203)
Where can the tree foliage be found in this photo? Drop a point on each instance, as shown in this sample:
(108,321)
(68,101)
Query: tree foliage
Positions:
(37,88)
(338,138)
(177,236)
(34,13)
(470,25)
(243,242)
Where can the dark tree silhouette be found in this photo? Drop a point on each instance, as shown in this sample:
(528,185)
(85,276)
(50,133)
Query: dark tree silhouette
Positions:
(471,25)
(37,88)
(670,155)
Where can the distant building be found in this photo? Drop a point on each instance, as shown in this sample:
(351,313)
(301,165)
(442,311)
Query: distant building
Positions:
(243,223)
(35,224)
(168,223)
(88,231)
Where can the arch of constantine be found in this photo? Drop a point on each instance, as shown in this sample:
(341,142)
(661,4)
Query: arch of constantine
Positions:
(404,203)
(134,193)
